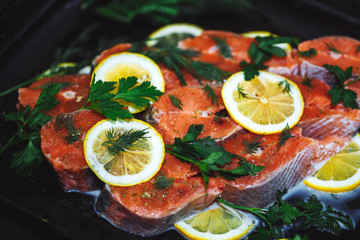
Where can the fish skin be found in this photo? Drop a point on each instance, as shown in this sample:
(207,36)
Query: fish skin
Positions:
(70,98)
(145,210)
(313,66)
(284,168)
(172,122)
(68,160)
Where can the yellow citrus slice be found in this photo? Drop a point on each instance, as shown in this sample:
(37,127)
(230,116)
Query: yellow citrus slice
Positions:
(173,33)
(118,161)
(253,34)
(341,173)
(125,65)
(217,222)
(262,105)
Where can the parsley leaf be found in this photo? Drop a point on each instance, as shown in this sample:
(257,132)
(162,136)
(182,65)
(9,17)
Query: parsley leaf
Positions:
(284,136)
(28,125)
(208,155)
(223,47)
(137,94)
(176,102)
(309,53)
(261,51)
(211,94)
(339,93)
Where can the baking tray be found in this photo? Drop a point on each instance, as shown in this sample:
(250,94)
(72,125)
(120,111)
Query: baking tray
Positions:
(32,32)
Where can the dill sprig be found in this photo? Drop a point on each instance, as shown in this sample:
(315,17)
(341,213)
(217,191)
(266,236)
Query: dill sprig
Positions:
(67,121)
(307,81)
(252,144)
(241,92)
(176,102)
(220,114)
(284,136)
(119,142)
(332,48)
(223,47)
(162,181)
(285,85)
(211,94)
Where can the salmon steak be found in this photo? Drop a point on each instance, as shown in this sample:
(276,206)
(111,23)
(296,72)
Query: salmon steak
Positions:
(333,50)
(146,210)
(196,108)
(64,149)
(71,97)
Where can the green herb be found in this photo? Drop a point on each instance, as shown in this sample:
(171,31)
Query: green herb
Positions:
(28,129)
(307,81)
(119,142)
(241,92)
(284,136)
(220,114)
(305,214)
(332,48)
(162,181)
(208,155)
(252,144)
(285,85)
(176,102)
(309,53)
(338,93)
(211,94)
(101,100)
(223,47)
(357,50)
(177,59)
(261,51)
(139,95)
(67,121)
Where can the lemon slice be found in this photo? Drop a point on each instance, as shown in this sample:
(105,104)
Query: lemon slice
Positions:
(173,33)
(341,173)
(216,222)
(125,65)
(254,34)
(138,163)
(266,107)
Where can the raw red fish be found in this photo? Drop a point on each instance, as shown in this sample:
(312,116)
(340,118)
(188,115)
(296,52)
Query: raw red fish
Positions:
(118,48)
(146,210)
(70,98)
(333,50)
(321,119)
(197,108)
(68,159)
(284,167)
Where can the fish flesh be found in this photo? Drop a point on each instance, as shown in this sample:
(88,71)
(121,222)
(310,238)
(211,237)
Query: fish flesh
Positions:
(67,159)
(71,97)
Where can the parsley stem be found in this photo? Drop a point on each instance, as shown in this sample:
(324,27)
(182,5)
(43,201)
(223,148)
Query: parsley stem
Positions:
(18,86)
(12,141)
(177,155)
(256,211)
(351,82)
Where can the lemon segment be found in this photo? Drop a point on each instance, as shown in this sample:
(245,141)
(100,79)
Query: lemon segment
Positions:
(266,108)
(254,34)
(138,163)
(217,222)
(341,173)
(171,34)
(128,64)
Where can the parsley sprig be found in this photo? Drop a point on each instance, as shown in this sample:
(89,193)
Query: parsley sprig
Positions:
(261,51)
(305,213)
(339,93)
(209,156)
(101,100)
(28,129)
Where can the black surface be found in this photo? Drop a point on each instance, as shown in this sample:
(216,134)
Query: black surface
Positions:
(37,208)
